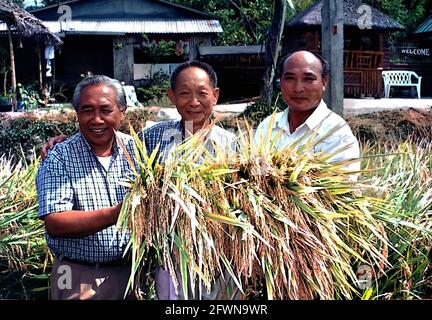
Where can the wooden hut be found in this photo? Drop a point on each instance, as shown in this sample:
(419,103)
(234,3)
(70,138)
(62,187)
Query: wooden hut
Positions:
(366,31)
(113,37)
(239,68)
(415,53)
(17,23)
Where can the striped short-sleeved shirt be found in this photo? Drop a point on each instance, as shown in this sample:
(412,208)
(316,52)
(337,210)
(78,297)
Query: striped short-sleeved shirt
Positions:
(167,134)
(72,178)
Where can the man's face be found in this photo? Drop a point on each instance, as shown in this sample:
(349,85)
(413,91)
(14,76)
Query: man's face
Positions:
(302,85)
(194,97)
(98,114)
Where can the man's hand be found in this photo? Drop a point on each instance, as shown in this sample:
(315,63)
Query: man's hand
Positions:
(76,224)
(49,145)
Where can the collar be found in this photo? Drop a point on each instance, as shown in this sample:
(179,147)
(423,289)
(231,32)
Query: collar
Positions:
(115,149)
(313,122)
(212,134)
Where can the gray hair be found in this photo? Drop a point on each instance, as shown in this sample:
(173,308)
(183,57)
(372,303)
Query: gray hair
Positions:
(100,79)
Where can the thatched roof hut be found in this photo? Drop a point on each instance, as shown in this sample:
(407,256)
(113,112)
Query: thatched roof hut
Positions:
(365,43)
(26,24)
(19,21)
(352,15)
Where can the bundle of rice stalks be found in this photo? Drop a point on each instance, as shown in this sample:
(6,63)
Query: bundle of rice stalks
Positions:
(22,243)
(288,218)
(402,174)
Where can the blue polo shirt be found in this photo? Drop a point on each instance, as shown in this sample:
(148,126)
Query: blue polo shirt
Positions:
(72,178)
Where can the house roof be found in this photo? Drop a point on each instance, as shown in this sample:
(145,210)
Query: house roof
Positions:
(425,26)
(121,27)
(352,15)
(24,23)
(230,50)
(126,16)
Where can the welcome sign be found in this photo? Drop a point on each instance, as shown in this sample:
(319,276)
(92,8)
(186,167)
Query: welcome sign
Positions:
(416,51)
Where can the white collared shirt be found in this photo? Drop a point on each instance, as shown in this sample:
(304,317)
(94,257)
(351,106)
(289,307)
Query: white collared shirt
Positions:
(319,124)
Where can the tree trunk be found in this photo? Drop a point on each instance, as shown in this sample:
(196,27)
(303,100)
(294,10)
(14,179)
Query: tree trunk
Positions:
(5,82)
(273,47)
(12,64)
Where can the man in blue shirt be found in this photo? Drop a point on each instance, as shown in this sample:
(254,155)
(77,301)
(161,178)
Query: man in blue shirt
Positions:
(303,81)
(194,92)
(80,196)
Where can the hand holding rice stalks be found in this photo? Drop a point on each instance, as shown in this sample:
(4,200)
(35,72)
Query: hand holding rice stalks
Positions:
(288,218)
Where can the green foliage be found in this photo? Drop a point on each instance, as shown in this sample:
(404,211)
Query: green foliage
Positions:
(136,119)
(159,49)
(28,97)
(259,110)
(243,22)
(155,90)
(23,250)
(118,45)
(23,134)
(27,133)
(401,174)
(408,13)
(247,22)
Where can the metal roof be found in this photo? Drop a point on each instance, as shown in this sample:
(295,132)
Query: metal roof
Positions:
(132,26)
(227,50)
(425,26)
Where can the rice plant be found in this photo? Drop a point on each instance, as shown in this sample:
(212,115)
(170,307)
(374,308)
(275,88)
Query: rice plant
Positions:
(23,252)
(284,224)
(287,219)
(401,174)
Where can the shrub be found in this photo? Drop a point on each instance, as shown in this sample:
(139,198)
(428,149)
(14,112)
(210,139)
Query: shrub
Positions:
(155,90)
(259,110)
(137,119)
(20,136)
(28,96)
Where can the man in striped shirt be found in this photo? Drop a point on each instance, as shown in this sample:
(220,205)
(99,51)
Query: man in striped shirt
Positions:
(194,92)
(80,197)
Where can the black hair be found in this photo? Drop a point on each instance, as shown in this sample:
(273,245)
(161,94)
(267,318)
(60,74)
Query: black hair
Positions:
(324,63)
(194,63)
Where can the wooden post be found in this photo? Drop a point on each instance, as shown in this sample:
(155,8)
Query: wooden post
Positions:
(12,64)
(123,57)
(40,68)
(193,48)
(332,50)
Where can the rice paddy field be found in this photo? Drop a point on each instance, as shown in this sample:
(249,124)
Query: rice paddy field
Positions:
(283,225)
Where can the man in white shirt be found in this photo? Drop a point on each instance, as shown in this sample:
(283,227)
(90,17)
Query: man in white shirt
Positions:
(303,80)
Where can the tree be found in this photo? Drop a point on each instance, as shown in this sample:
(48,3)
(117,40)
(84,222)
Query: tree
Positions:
(273,49)
(46,3)
(408,12)
(18,2)
(243,22)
